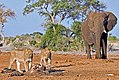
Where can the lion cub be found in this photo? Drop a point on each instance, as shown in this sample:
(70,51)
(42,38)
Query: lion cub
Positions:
(21,55)
(46,58)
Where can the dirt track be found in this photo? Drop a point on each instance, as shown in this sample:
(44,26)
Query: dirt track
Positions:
(69,67)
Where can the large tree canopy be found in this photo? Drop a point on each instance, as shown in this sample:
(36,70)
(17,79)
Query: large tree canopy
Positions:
(56,11)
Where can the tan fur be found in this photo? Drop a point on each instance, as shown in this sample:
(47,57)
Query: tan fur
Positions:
(21,55)
(46,58)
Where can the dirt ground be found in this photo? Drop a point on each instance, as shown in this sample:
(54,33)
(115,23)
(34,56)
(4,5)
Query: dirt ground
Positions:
(69,67)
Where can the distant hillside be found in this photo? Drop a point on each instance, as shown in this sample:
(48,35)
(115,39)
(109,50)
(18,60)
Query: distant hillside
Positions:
(19,41)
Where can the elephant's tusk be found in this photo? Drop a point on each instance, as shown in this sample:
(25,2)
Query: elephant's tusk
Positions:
(105,31)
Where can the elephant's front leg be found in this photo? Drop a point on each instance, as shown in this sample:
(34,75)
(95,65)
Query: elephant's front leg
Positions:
(104,46)
(97,44)
(88,51)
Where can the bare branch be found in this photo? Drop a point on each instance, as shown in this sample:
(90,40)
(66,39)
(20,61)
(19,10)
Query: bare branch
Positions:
(62,17)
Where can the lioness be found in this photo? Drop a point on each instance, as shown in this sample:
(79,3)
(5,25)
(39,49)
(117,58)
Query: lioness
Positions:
(46,58)
(21,55)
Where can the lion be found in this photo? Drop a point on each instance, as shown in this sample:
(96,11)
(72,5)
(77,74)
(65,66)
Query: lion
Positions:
(21,55)
(46,58)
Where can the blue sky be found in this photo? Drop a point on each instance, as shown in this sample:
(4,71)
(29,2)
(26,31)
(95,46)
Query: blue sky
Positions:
(21,24)
(32,22)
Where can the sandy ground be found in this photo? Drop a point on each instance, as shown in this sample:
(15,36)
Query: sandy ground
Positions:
(69,67)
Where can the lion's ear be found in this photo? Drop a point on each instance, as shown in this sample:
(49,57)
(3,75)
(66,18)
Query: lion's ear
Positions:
(26,51)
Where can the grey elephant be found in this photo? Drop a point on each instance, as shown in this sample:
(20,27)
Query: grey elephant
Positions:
(95,32)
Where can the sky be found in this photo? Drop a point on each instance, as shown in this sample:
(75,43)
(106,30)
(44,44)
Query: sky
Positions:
(32,22)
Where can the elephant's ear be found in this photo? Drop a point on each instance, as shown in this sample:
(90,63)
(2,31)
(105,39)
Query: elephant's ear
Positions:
(110,21)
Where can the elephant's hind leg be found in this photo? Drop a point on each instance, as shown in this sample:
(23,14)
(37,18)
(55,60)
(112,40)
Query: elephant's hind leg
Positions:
(88,51)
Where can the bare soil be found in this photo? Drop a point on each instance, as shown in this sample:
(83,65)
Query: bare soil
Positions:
(68,67)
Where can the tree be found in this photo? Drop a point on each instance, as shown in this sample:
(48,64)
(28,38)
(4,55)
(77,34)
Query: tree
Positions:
(4,14)
(56,11)
(54,41)
(37,34)
(76,28)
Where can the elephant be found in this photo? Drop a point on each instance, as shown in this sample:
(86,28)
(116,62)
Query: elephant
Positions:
(95,32)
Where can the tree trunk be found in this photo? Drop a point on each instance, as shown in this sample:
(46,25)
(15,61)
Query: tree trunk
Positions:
(2,37)
(53,21)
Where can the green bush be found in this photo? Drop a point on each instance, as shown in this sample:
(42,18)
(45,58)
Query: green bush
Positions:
(113,38)
(53,39)
(32,42)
